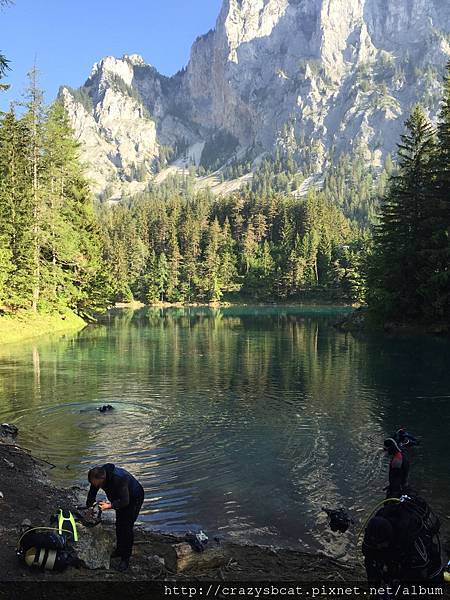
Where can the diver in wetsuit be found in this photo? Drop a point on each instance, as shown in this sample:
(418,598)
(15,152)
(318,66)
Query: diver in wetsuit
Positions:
(398,469)
(125,495)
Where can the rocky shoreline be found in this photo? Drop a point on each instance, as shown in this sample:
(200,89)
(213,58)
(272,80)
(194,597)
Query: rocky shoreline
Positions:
(28,496)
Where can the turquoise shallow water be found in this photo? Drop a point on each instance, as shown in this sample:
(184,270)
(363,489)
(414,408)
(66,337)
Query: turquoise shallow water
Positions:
(242,421)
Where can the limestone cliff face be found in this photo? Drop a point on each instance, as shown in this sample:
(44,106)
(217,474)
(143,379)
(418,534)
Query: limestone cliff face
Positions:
(118,136)
(311,75)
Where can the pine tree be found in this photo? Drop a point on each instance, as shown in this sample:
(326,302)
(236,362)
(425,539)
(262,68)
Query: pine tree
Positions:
(60,243)
(71,249)
(211,281)
(401,236)
(228,261)
(435,276)
(16,214)
(34,118)
(6,268)
(297,267)
(162,276)
(174,257)
(190,244)
(4,67)
(4,63)
(249,247)
(151,289)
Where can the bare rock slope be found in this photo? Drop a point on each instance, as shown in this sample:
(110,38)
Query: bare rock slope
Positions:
(317,77)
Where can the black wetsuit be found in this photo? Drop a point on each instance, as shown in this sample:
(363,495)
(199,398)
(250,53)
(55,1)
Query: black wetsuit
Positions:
(126,495)
(398,475)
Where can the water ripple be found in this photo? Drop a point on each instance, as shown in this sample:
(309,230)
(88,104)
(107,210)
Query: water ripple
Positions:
(245,424)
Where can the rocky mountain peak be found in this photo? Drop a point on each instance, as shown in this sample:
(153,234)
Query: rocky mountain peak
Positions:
(134,59)
(317,77)
(245,20)
(111,66)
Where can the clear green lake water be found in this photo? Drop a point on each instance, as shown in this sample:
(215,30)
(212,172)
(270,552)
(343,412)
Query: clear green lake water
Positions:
(241,421)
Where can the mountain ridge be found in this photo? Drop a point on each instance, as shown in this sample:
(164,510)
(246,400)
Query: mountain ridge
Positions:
(311,77)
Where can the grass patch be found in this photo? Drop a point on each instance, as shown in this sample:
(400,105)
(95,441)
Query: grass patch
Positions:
(25,325)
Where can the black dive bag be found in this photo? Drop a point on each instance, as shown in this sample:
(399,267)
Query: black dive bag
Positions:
(45,550)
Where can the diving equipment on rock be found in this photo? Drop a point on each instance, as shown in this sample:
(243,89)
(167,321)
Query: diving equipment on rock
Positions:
(45,548)
(401,541)
(89,516)
(197,541)
(49,560)
(338,519)
(65,516)
(202,537)
(42,537)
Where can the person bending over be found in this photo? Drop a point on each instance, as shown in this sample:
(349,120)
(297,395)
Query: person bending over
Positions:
(125,495)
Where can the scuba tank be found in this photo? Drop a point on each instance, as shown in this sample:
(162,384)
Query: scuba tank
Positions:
(405,439)
(46,548)
(42,537)
(49,560)
(42,547)
(447,573)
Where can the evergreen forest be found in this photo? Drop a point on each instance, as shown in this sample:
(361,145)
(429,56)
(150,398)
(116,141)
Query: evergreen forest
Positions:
(380,238)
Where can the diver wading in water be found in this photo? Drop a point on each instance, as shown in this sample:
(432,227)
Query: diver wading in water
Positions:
(125,495)
(401,539)
(398,469)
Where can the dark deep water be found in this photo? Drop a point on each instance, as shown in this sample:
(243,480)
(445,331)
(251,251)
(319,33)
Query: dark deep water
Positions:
(242,421)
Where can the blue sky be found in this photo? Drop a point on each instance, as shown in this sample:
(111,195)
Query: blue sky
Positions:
(68,36)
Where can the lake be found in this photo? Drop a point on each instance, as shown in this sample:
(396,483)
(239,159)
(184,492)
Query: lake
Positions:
(242,421)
